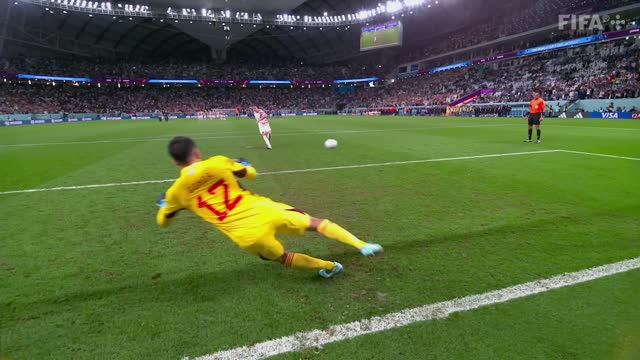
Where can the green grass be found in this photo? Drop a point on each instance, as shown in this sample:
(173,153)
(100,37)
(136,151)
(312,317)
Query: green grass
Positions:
(378,39)
(87,274)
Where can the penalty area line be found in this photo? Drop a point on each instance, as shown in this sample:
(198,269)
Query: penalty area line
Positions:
(408,162)
(317,338)
(144,182)
(601,155)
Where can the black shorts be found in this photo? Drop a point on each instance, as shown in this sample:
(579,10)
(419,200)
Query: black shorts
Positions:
(534,119)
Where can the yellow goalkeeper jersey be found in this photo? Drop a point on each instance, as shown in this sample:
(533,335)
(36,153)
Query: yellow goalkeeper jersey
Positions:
(210,189)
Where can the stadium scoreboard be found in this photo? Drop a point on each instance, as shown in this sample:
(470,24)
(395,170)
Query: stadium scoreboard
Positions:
(381,35)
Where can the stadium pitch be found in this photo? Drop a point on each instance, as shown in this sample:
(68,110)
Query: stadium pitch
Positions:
(462,206)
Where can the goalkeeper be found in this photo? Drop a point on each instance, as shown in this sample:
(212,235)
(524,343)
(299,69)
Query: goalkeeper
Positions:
(210,189)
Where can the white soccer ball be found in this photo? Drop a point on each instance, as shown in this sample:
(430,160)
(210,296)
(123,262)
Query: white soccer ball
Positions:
(331,144)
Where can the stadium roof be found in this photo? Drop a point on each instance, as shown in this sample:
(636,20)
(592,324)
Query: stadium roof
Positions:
(42,30)
(240,5)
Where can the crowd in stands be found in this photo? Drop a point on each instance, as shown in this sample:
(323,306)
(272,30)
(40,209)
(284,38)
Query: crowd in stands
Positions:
(600,71)
(541,13)
(67,98)
(180,69)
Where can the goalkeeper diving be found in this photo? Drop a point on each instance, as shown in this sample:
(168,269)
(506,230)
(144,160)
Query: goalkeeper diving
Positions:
(210,188)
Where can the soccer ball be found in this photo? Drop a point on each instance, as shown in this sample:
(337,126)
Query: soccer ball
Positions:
(331,144)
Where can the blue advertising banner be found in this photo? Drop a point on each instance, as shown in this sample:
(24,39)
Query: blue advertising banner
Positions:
(172,81)
(15,122)
(612,115)
(54,78)
(561,45)
(70,119)
(272,82)
(37,119)
(348,81)
(451,67)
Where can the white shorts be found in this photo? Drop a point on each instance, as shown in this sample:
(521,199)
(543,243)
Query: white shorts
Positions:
(264,129)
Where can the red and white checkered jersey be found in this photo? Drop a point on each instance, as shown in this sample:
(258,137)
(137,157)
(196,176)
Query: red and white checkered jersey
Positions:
(261,117)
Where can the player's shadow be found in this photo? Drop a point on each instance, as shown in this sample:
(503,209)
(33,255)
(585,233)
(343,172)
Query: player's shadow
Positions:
(460,237)
(518,233)
(234,283)
(224,286)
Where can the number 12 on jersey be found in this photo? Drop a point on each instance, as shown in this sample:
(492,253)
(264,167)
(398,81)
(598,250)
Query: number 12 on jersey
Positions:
(228,203)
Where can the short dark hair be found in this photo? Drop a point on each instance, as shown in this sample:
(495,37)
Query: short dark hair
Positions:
(181,148)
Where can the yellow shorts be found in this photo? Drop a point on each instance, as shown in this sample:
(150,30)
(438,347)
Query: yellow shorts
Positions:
(258,236)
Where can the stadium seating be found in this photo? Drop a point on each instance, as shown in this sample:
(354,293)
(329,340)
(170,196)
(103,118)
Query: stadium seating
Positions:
(187,99)
(600,71)
(180,69)
(603,105)
(540,13)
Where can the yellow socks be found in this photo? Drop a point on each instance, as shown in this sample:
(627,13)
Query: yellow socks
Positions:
(336,232)
(332,231)
(302,261)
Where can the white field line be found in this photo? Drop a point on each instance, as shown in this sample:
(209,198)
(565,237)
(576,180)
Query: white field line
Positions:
(143,182)
(408,162)
(591,127)
(602,155)
(282,171)
(78,187)
(302,132)
(317,338)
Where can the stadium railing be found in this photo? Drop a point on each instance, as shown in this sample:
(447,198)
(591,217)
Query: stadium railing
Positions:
(597,104)
(28,119)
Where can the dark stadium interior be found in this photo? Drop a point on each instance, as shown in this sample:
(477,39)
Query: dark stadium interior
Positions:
(34,29)
(43,40)
(144,38)
(468,173)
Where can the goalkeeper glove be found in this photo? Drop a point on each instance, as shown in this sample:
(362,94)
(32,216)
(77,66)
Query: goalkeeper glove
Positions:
(243,161)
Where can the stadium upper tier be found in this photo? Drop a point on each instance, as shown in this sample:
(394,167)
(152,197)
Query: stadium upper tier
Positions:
(540,14)
(295,35)
(597,71)
(181,12)
(96,69)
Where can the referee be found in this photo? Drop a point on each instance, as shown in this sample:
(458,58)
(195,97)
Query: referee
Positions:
(535,115)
